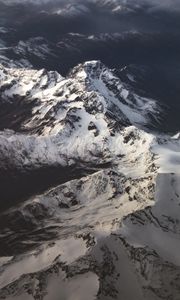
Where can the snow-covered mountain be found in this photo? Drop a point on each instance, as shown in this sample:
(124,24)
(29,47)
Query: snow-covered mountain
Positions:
(90,190)
(52,114)
(89,151)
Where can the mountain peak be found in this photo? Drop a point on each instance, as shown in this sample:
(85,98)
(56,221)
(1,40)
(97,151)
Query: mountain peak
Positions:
(87,69)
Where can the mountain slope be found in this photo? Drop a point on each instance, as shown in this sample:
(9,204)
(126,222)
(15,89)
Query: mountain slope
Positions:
(85,205)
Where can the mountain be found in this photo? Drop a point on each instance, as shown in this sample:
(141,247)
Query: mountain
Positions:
(89,150)
(44,117)
(89,187)
(156,77)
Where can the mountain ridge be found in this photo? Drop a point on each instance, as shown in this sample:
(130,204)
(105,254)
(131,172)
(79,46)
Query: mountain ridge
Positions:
(87,138)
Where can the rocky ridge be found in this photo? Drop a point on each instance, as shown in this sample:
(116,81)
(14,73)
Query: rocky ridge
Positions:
(113,216)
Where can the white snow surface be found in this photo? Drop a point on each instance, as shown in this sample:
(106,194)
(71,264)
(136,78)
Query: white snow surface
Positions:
(73,117)
(121,222)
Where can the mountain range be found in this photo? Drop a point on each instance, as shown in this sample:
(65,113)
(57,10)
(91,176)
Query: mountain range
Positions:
(89,162)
